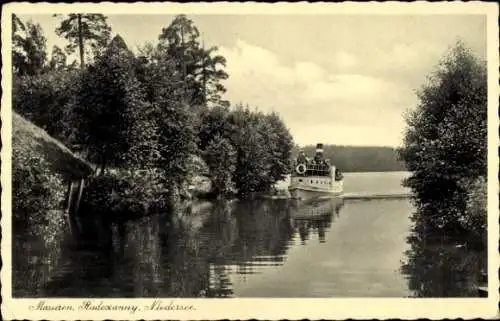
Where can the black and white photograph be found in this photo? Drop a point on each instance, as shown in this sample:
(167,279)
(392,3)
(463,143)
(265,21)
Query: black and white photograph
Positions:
(248,152)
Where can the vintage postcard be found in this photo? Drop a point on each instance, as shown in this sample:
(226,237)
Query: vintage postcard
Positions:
(265,161)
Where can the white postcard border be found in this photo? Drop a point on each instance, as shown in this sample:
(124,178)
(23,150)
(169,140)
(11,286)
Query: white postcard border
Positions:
(357,308)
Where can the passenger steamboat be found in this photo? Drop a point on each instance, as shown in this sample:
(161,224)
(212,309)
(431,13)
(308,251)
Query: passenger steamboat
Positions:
(313,178)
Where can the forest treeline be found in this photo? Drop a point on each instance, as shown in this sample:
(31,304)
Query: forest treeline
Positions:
(149,120)
(359,158)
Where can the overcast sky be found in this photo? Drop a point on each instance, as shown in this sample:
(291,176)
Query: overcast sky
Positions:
(336,79)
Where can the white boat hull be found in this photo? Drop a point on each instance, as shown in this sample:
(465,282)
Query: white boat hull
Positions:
(314,187)
(300,194)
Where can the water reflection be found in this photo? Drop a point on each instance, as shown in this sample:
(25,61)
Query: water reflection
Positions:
(196,252)
(314,216)
(36,253)
(253,236)
(440,269)
(221,249)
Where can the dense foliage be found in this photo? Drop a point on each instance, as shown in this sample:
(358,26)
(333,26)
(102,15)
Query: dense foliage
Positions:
(445,148)
(221,158)
(262,146)
(359,158)
(46,99)
(125,194)
(152,122)
(108,94)
(36,190)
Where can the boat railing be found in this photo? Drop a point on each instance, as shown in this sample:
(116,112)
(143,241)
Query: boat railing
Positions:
(316,170)
(319,168)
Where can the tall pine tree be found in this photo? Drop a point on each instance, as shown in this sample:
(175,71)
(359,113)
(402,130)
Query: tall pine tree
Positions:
(57,60)
(201,69)
(82,30)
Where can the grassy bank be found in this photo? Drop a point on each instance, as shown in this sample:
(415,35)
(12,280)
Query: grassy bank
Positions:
(40,167)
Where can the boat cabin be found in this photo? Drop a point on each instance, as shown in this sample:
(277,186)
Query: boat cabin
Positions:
(317,166)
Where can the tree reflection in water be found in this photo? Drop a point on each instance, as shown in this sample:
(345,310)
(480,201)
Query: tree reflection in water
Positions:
(440,269)
(194,252)
(260,234)
(36,252)
(203,249)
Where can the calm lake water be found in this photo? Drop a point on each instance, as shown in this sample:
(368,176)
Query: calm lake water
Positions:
(265,248)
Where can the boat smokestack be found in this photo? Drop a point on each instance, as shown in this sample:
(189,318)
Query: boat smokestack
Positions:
(319,148)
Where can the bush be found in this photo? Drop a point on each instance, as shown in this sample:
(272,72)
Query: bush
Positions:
(35,189)
(126,193)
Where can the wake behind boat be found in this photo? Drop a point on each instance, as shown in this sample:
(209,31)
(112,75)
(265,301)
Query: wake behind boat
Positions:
(315,177)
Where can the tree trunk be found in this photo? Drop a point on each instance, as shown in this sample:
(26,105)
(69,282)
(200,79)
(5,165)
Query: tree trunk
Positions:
(184,72)
(80,40)
(103,164)
(204,80)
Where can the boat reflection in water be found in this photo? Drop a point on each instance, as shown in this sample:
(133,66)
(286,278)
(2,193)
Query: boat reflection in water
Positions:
(263,235)
(314,215)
